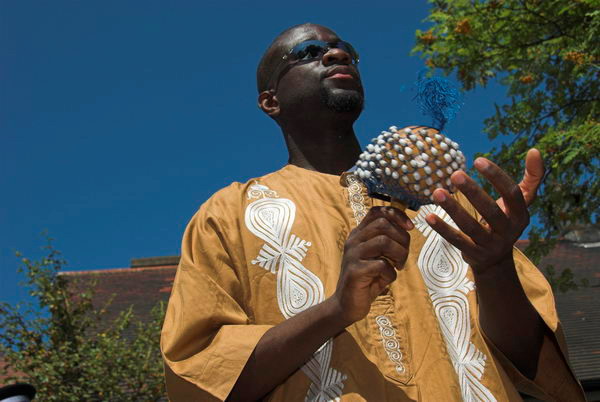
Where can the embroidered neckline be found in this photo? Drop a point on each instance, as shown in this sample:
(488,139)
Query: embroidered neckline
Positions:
(355,196)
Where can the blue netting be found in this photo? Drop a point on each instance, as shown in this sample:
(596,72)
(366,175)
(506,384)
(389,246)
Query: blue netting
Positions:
(437,98)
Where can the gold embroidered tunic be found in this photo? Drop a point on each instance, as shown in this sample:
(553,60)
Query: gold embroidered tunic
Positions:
(258,253)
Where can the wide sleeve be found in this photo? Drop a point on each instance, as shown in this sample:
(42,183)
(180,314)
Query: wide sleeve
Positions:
(207,336)
(554,380)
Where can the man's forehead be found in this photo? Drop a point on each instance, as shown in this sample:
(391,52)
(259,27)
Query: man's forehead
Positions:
(307,32)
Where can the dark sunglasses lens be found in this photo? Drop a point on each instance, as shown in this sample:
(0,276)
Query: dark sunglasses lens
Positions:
(308,50)
(346,47)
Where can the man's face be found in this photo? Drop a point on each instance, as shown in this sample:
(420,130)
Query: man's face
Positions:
(331,79)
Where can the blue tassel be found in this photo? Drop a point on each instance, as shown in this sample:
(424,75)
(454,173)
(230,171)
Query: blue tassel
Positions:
(437,98)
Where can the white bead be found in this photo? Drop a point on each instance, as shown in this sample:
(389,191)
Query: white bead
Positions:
(453,153)
(416,187)
(378,156)
(437,162)
(413,163)
(434,151)
(420,145)
(378,172)
(405,179)
(397,147)
(417,176)
(448,182)
(449,170)
(429,181)
(428,140)
(408,150)
(403,142)
(448,158)
(367,174)
(444,146)
(447,140)
(454,145)
(404,168)
(438,137)
(395,175)
(372,165)
(388,171)
(389,155)
(424,156)
(412,137)
(423,131)
(426,192)
(383,163)
(407,130)
(394,163)
(427,169)
(364,165)
(396,136)
(370,148)
(393,128)
(380,142)
(439,173)
(454,165)
(401,157)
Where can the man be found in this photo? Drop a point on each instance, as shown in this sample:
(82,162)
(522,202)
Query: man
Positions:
(289,289)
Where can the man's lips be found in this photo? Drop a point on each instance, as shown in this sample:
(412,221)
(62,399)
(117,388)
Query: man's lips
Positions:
(342,76)
(341,72)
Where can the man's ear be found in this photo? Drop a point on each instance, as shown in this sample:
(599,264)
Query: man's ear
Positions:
(268,102)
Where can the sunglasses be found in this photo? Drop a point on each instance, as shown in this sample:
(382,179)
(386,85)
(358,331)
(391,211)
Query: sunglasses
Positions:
(311,50)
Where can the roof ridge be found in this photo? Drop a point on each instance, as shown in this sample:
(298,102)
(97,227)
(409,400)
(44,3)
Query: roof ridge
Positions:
(115,270)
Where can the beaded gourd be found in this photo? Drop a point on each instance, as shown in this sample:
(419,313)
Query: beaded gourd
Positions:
(405,166)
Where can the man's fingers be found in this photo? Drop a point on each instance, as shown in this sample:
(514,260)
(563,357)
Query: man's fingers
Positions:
(392,214)
(481,200)
(453,236)
(384,269)
(534,173)
(383,246)
(511,193)
(462,218)
(383,225)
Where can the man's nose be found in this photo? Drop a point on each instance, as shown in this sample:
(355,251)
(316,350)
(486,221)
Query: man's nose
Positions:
(336,56)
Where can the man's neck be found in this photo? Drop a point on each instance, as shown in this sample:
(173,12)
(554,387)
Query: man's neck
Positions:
(326,150)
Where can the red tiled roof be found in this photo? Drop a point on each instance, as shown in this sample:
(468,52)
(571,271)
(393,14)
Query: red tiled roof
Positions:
(141,287)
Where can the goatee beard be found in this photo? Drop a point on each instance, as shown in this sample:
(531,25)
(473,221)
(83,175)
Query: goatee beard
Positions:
(342,102)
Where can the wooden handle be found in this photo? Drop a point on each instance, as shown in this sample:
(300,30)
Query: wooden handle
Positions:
(396,203)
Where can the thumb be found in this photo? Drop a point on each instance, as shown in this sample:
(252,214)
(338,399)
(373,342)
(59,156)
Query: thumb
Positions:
(534,173)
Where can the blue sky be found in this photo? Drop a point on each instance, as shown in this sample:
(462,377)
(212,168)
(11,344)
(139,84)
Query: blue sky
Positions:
(119,118)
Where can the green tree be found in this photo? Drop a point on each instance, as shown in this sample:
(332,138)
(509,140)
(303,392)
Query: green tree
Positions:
(69,351)
(547,55)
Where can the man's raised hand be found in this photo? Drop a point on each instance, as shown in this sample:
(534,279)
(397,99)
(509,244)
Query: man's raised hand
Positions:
(373,252)
(483,245)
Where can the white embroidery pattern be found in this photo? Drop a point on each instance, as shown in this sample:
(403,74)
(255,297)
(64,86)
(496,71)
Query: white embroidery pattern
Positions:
(445,275)
(259,191)
(355,198)
(390,342)
(271,219)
